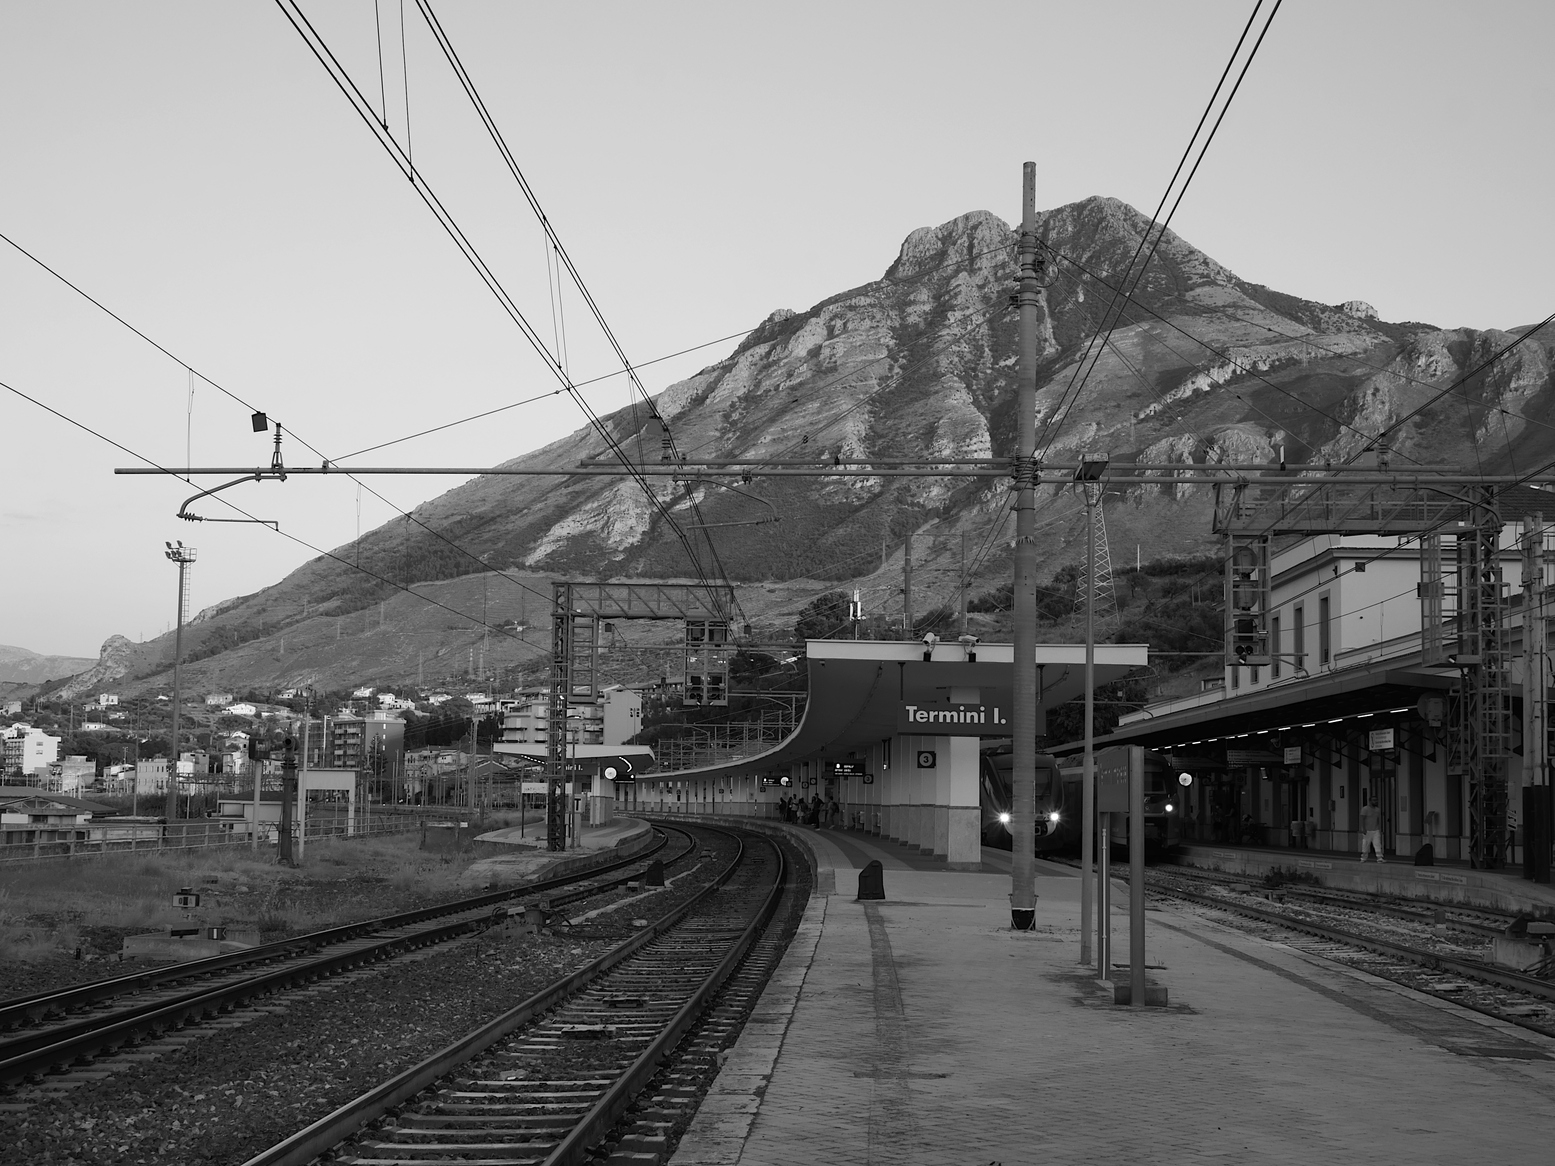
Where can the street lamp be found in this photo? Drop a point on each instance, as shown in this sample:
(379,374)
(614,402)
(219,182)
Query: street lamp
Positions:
(183,556)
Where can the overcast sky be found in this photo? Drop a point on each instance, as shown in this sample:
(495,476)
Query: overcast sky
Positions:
(192,166)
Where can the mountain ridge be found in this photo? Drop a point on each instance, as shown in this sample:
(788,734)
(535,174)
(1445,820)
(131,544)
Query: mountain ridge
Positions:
(1203,366)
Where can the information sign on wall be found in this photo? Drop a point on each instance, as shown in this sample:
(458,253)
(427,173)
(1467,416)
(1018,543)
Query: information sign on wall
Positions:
(1293,755)
(1379,739)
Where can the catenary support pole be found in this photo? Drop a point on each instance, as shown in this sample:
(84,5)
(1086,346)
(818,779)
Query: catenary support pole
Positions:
(302,783)
(1104,902)
(1034,331)
(1136,877)
(907,620)
(1088,776)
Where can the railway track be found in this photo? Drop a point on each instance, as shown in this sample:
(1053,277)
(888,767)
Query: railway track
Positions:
(1480,920)
(555,1076)
(48,1033)
(1510,996)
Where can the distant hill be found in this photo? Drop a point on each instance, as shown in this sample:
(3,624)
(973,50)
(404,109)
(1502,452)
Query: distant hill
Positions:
(1205,366)
(22,666)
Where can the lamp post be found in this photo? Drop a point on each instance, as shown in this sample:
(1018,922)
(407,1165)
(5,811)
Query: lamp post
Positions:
(1089,475)
(183,556)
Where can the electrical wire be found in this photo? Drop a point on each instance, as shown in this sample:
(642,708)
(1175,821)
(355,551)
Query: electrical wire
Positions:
(252,408)
(239,510)
(472,255)
(1071,398)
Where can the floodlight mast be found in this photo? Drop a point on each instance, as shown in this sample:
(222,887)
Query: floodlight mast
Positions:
(1026,718)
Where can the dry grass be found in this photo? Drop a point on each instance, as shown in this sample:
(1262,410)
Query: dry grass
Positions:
(45,906)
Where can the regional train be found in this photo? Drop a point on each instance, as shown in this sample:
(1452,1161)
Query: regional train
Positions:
(1060,800)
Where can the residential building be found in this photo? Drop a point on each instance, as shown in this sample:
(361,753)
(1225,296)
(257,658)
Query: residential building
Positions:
(13,708)
(72,775)
(218,698)
(93,727)
(612,720)
(33,815)
(28,751)
(374,742)
(107,699)
(151,776)
(241,709)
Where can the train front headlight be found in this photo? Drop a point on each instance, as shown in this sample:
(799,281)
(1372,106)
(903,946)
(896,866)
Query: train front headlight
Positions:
(1004,819)
(1053,817)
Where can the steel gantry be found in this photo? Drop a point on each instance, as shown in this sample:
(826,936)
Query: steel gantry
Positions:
(576,611)
(1463,609)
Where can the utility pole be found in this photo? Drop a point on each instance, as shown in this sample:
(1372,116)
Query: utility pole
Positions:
(907,619)
(1023,806)
(474,749)
(183,556)
(302,777)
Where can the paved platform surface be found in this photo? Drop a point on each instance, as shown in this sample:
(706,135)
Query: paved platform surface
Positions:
(921,1030)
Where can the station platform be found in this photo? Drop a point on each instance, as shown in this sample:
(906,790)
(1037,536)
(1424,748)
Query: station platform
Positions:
(1450,882)
(921,1030)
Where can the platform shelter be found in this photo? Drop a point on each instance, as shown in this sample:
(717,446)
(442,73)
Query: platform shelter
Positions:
(891,732)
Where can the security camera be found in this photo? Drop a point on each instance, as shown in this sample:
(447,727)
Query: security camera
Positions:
(969,644)
(929,640)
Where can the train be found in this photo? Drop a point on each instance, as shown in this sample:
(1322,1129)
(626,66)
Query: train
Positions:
(1059,803)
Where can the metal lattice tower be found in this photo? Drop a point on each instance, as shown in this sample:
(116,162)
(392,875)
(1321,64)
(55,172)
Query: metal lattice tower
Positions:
(1485,707)
(1106,592)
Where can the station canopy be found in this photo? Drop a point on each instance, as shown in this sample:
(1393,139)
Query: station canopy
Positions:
(858,688)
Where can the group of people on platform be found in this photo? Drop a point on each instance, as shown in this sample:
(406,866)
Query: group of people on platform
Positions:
(814,812)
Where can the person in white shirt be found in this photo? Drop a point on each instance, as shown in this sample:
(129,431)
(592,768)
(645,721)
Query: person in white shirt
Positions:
(1371,828)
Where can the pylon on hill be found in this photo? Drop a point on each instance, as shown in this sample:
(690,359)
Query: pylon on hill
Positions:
(1106,592)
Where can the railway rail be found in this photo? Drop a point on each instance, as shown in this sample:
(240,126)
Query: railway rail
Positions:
(1526,1001)
(1481,920)
(50,1031)
(552,1078)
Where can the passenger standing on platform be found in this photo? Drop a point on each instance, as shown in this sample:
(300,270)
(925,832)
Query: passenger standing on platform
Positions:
(1371,827)
(1298,833)
(1311,827)
(833,812)
(1189,826)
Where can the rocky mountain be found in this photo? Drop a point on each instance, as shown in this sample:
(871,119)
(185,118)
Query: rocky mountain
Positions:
(23,667)
(1204,366)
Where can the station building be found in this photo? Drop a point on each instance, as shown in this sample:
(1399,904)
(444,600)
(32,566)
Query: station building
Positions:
(1357,705)
(892,731)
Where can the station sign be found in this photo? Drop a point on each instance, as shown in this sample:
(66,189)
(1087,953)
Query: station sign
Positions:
(1379,740)
(945,719)
(1112,770)
(1293,755)
(847,769)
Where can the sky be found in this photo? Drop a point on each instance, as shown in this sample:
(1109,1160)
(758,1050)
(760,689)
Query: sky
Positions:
(193,168)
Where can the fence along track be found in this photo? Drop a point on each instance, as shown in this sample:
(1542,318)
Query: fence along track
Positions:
(550,1086)
(32,1052)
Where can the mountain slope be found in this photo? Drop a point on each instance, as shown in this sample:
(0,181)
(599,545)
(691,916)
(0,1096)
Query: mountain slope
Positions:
(1205,366)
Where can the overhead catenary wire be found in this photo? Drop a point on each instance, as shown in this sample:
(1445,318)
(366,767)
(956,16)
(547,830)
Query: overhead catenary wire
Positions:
(1073,391)
(348,88)
(84,427)
(192,372)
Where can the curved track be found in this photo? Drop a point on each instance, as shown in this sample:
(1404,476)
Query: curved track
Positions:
(73,1025)
(549,1079)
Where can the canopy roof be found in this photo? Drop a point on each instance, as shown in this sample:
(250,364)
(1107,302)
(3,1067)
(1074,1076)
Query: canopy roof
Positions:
(857,687)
